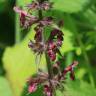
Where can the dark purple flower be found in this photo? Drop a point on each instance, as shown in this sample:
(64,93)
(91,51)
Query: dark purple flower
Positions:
(54,43)
(38,36)
(33,5)
(22,13)
(47,90)
(59,42)
(56,34)
(50,45)
(46,5)
(52,55)
(46,21)
(26,19)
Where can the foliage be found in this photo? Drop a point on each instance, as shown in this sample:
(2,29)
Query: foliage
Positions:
(78,88)
(24,65)
(75,88)
(70,6)
(80,43)
(4,85)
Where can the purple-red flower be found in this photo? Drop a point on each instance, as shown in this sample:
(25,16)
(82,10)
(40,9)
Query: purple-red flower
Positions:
(54,43)
(52,54)
(22,13)
(48,83)
(46,5)
(70,69)
(47,90)
(26,19)
(35,5)
(49,45)
(46,21)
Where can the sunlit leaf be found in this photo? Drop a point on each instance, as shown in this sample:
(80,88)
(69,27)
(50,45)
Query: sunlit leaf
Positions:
(19,63)
(5,89)
(23,2)
(67,43)
(70,6)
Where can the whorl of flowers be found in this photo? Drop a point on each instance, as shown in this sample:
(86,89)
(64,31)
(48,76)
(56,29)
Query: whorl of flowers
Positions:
(50,46)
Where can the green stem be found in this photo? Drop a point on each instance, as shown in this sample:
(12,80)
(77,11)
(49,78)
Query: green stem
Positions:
(49,65)
(17,28)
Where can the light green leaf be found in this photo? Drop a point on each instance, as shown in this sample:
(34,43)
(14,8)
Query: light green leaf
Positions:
(23,2)
(5,89)
(70,6)
(67,43)
(81,73)
(19,63)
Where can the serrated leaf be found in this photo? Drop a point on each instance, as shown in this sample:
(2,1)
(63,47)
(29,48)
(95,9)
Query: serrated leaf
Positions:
(70,6)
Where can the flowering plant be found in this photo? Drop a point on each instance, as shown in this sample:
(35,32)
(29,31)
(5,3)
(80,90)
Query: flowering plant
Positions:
(50,80)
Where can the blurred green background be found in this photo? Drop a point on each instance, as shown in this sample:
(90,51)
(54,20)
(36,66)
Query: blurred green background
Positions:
(17,62)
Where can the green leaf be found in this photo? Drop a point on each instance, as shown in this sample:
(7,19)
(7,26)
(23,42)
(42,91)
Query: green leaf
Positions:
(70,6)
(5,89)
(67,43)
(23,2)
(77,88)
(19,63)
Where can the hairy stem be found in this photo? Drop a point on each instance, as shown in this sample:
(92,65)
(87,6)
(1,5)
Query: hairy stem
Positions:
(49,65)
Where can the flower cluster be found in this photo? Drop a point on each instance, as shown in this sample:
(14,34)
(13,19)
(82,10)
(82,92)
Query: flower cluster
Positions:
(56,81)
(39,5)
(51,46)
